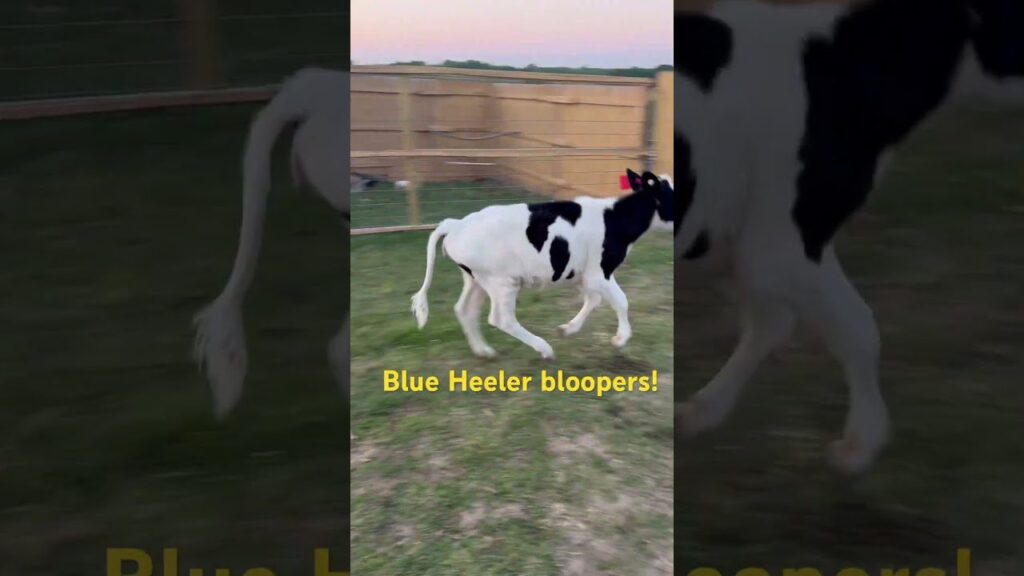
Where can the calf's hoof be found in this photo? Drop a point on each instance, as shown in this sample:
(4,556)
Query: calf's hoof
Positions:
(567,330)
(689,419)
(619,340)
(485,352)
(696,417)
(851,456)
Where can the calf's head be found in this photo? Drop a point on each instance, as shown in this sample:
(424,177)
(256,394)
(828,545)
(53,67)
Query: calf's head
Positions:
(659,191)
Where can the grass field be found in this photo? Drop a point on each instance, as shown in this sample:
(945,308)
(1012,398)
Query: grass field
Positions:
(114,230)
(526,483)
(938,256)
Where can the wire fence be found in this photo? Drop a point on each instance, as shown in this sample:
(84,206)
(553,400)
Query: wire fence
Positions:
(75,49)
(447,142)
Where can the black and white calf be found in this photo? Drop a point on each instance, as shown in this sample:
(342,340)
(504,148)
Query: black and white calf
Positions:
(502,249)
(785,115)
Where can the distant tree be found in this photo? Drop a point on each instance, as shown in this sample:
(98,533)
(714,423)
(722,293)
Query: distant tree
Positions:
(635,71)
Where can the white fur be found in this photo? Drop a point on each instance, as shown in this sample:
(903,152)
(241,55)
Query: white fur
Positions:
(975,87)
(316,99)
(745,138)
(492,243)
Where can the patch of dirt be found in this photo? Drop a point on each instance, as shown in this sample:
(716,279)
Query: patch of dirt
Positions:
(379,488)
(404,534)
(509,511)
(434,464)
(622,503)
(663,563)
(470,519)
(566,448)
(439,469)
(362,453)
(582,551)
(585,548)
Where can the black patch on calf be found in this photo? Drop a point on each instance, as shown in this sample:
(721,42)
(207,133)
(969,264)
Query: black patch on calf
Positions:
(666,197)
(684,158)
(571,274)
(559,257)
(624,223)
(888,65)
(635,181)
(466,268)
(544,214)
(701,245)
(703,48)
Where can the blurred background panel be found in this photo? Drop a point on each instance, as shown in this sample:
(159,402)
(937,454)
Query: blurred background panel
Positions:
(936,254)
(65,48)
(118,220)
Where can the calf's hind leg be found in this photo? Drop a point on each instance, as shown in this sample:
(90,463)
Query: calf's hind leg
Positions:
(503,294)
(467,310)
(834,309)
(591,300)
(766,323)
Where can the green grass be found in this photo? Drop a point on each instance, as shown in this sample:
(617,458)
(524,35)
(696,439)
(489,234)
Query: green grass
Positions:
(514,483)
(114,230)
(937,256)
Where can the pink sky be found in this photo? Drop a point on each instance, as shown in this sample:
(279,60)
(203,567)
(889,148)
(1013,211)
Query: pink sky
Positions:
(600,33)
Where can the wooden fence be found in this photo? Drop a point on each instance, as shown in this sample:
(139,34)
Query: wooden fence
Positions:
(560,135)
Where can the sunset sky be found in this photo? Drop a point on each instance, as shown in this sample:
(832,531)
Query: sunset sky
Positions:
(599,33)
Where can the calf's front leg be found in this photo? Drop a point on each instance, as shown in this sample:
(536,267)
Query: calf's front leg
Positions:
(467,310)
(766,324)
(610,290)
(503,300)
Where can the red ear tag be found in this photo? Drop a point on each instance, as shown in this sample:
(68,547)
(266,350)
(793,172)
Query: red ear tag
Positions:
(624,182)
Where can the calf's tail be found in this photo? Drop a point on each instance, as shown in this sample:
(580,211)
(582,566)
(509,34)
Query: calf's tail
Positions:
(419,299)
(219,346)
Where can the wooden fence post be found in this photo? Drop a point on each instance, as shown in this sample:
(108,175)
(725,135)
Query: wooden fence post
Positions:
(664,125)
(199,43)
(408,143)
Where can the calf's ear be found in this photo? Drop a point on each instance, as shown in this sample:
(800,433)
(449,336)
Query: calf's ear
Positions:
(635,182)
(650,183)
